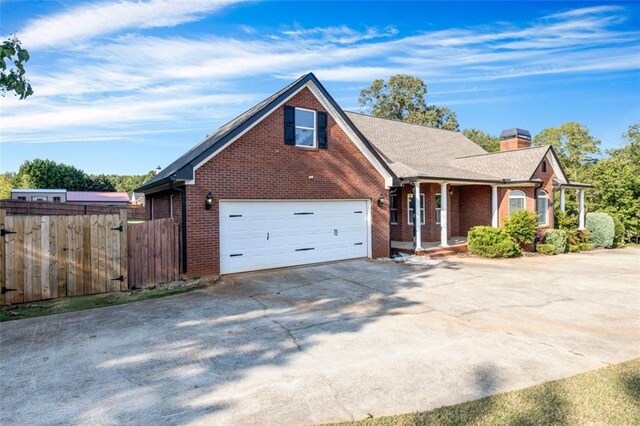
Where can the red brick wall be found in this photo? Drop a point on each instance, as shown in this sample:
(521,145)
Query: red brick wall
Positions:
(260,166)
(430,230)
(158,205)
(547,185)
(514,143)
(475,207)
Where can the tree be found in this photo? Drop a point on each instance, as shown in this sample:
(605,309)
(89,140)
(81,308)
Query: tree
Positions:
(572,143)
(5,185)
(49,174)
(402,98)
(488,142)
(631,151)
(12,78)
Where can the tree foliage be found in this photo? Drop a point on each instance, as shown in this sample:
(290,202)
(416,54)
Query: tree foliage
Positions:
(402,98)
(48,174)
(5,184)
(573,144)
(12,72)
(488,142)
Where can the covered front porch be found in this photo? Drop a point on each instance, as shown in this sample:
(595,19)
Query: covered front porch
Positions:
(447,210)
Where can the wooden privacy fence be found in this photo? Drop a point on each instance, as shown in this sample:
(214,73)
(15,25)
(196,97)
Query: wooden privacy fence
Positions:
(48,208)
(45,257)
(154,252)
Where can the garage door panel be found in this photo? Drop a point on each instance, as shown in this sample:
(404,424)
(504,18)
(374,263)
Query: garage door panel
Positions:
(269,234)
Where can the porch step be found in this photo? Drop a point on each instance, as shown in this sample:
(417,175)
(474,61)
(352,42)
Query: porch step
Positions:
(444,251)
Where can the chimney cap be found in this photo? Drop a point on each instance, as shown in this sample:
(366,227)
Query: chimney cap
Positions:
(515,133)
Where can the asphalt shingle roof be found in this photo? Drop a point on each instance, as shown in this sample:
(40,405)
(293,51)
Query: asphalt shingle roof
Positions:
(408,150)
(413,150)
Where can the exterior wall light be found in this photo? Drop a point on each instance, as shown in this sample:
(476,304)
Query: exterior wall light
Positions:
(381,200)
(208,201)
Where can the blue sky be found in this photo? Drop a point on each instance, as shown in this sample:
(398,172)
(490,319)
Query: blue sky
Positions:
(123,86)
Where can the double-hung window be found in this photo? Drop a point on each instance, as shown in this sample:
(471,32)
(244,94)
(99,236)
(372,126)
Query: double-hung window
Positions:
(516,201)
(411,206)
(438,209)
(543,206)
(393,209)
(305,127)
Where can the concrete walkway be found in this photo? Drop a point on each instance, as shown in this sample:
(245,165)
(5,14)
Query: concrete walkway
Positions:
(325,343)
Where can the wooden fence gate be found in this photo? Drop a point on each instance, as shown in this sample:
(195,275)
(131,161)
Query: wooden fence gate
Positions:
(45,257)
(154,252)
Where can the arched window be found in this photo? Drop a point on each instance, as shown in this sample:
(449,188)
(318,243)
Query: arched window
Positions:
(516,201)
(543,207)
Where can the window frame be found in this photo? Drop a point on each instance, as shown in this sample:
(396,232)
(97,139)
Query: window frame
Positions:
(544,166)
(523,197)
(410,208)
(39,198)
(315,128)
(438,217)
(57,199)
(22,198)
(392,209)
(546,208)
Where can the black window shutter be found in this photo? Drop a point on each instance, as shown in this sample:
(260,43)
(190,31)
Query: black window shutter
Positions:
(322,130)
(289,125)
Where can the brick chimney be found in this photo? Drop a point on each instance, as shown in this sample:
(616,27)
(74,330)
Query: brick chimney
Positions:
(511,139)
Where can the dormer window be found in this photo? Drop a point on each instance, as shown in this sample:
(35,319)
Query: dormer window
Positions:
(305,127)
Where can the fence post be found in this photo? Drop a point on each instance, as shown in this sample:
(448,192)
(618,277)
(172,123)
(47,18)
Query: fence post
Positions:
(3,213)
(124,252)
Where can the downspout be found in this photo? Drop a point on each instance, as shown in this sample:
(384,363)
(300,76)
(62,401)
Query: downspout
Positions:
(183,202)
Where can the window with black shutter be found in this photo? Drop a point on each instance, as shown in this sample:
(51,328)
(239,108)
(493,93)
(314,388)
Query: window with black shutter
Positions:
(322,130)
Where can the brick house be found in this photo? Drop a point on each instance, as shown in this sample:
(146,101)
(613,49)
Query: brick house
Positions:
(297,180)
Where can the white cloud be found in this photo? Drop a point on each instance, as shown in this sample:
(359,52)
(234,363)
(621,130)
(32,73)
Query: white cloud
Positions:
(341,34)
(84,22)
(132,85)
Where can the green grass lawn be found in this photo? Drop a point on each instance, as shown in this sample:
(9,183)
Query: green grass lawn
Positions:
(609,396)
(79,303)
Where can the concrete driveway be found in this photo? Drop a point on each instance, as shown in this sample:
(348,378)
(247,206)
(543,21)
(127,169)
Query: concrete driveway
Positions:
(325,343)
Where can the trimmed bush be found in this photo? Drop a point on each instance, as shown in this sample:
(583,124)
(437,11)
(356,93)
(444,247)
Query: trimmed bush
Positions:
(585,246)
(547,249)
(487,241)
(618,232)
(522,226)
(574,248)
(601,229)
(558,238)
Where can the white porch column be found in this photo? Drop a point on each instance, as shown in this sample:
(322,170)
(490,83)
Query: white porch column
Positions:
(562,198)
(417,220)
(444,219)
(581,210)
(494,206)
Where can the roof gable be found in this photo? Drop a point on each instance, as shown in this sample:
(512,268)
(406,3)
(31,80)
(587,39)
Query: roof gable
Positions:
(184,167)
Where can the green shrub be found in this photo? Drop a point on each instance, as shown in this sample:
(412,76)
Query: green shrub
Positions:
(522,226)
(585,246)
(487,241)
(565,220)
(574,248)
(601,229)
(618,232)
(548,249)
(558,238)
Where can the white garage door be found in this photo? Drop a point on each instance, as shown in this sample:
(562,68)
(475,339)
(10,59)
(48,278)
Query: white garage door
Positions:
(271,234)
